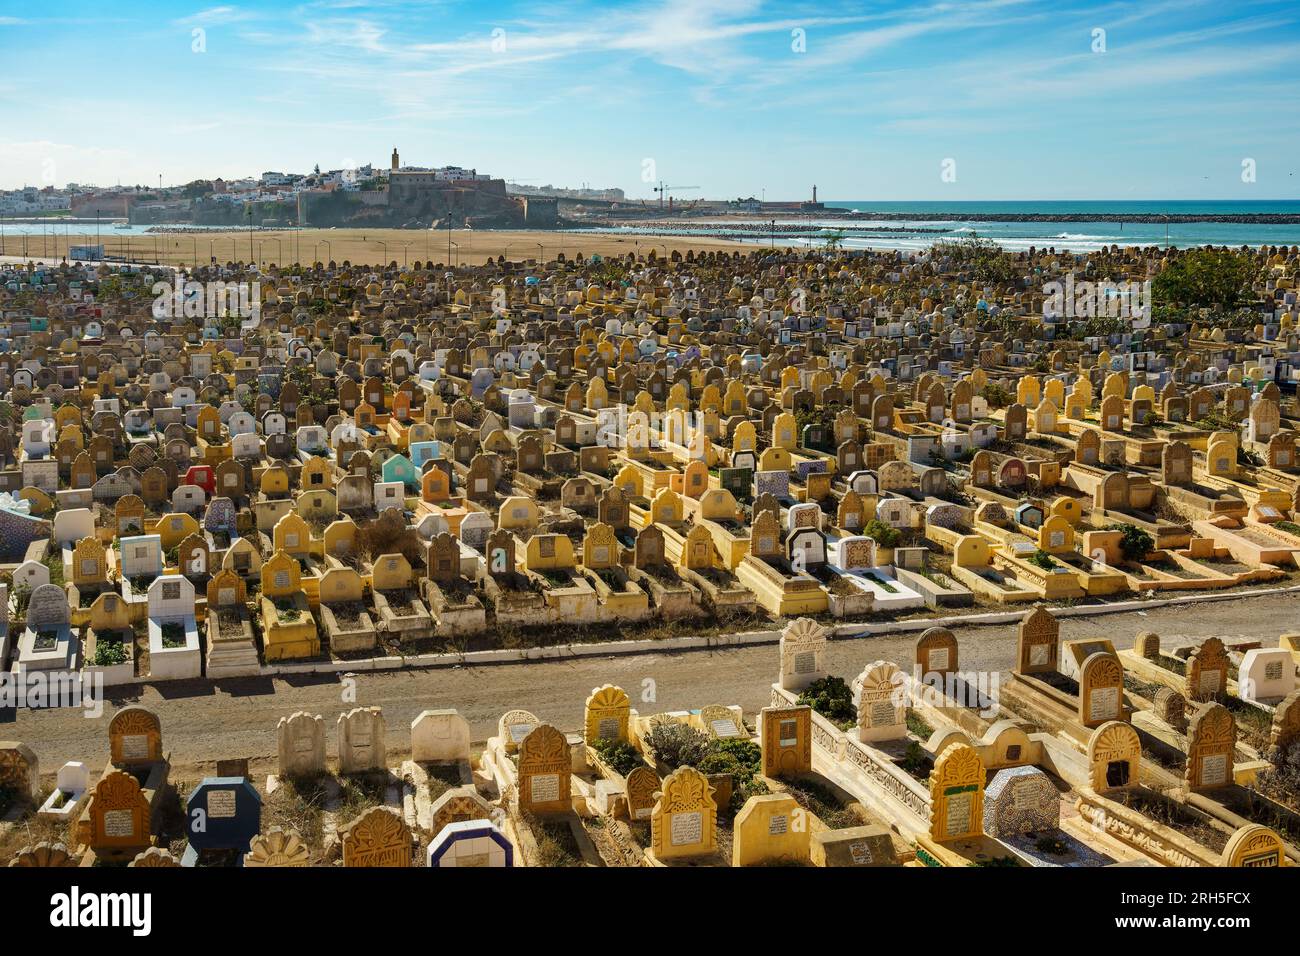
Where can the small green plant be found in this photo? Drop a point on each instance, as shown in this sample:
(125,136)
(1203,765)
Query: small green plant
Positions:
(620,755)
(915,759)
(831,698)
(1042,559)
(173,635)
(108,653)
(1134,543)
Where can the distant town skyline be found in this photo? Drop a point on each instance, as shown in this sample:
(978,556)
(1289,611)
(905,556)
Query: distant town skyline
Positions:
(962,100)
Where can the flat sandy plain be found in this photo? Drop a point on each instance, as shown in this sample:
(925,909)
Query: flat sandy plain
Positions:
(368,246)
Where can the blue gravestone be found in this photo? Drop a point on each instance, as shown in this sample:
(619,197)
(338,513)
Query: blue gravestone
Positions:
(222,813)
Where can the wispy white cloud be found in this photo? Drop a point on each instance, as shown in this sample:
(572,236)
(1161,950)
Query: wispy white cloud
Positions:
(217,16)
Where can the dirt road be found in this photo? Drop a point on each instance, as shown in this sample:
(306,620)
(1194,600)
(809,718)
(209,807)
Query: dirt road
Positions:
(203,722)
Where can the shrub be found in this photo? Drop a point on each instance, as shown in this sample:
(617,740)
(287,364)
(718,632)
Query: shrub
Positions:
(678,745)
(882,534)
(831,698)
(1042,559)
(1134,543)
(742,759)
(739,757)
(620,755)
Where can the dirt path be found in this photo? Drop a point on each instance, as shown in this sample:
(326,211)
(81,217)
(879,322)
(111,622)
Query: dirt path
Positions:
(203,722)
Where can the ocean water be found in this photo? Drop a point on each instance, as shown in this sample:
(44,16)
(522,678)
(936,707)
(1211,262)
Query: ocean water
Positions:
(916,232)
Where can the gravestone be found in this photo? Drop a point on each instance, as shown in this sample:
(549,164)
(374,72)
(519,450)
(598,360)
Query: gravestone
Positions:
(1211,743)
(803,648)
(544,771)
(377,838)
(1207,671)
(221,813)
(683,823)
(301,744)
(277,848)
(1171,707)
(513,727)
(1266,675)
(770,828)
(957,795)
(606,715)
(20,772)
(1021,800)
(476,843)
(1101,689)
(642,785)
(936,652)
(882,702)
(439,736)
(361,739)
(1039,633)
(853,847)
(1114,755)
(785,737)
(135,737)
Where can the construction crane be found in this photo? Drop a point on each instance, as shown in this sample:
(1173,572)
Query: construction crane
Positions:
(663,190)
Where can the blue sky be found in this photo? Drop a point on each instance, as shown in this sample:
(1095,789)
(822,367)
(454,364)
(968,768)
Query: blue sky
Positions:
(738,97)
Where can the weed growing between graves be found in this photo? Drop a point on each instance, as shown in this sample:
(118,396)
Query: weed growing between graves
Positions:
(299,804)
(918,726)
(556,845)
(822,803)
(359,794)
(916,761)
(1281,782)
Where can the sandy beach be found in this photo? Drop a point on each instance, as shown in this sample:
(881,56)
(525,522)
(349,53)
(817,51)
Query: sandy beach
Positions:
(371,246)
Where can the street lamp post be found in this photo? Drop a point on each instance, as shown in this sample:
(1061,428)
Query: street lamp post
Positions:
(385,245)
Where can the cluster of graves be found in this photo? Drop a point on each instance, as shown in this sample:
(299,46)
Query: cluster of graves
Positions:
(377,462)
(1086,757)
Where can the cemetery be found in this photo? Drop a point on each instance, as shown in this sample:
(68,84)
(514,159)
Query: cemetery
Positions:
(1080,767)
(399,465)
